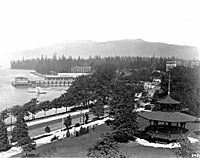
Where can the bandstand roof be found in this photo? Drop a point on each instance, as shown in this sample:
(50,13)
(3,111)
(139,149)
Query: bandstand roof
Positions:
(168,116)
(168,100)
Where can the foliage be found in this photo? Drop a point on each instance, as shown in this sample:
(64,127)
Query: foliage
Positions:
(4,142)
(107,147)
(29,145)
(77,125)
(47,129)
(4,114)
(45,105)
(185,87)
(123,105)
(19,110)
(98,109)
(68,133)
(62,64)
(68,121)
(188,149)
(31,106)
(20,135)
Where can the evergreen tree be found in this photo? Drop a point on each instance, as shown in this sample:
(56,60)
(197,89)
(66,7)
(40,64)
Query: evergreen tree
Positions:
(20,135)
(4,142)
(122,105)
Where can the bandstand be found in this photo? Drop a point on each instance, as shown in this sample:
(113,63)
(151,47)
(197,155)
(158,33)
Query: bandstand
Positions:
(167,124)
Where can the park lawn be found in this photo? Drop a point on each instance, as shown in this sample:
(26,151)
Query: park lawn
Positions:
(77,147)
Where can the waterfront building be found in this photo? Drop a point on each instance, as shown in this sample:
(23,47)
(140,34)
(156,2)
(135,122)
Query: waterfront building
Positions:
(81,69)
(21,82)
(61,79)
(186,63)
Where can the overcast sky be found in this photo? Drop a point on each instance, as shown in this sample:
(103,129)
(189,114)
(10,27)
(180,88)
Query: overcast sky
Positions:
(26,24)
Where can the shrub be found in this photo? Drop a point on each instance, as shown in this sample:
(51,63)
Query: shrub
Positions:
(77,134)
(147,107)
(47,129)
(121,138)
(77,125)
(68,133)
(54,138)
(87,129)
(108,122)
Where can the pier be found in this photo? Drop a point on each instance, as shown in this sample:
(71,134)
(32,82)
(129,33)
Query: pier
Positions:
(59,80)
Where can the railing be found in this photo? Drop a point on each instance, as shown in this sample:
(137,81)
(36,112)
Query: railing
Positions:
(168,136)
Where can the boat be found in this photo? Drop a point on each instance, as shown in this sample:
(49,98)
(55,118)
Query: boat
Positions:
(37,90)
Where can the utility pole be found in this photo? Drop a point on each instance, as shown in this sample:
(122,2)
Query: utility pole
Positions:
(169,84)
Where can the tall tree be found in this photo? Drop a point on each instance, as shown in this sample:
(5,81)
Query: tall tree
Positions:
(45,105)
(122,105)
(4,142)
(20,135)
(31,107)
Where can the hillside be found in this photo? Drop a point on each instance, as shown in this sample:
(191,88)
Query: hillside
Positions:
(138,47)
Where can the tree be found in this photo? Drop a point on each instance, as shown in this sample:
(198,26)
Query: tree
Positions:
(98,109)
(102,78)
(188,149)
(122,105)
(31,107)
(28,145)
(4,114)
(45,105)
(56,103)
(20,135)
(107,147)
(68,122)
(4,142)
(19,110)
(184,87)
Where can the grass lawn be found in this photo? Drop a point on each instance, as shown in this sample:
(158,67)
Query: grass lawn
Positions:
(77,147)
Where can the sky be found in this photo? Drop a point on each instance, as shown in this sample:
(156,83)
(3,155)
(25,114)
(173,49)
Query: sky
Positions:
(27,24)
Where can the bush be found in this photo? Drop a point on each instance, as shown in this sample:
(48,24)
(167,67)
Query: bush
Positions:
(47,129)
(77,134)
(121,138)
(82,131)
(68,133)
(87,129)
(147,107)
(108,122)
(54,138)
(77,125)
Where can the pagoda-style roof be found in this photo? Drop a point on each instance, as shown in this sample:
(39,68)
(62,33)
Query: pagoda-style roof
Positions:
(168,100)
(167,116)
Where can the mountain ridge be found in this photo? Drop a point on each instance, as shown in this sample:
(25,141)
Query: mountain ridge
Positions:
(125,47)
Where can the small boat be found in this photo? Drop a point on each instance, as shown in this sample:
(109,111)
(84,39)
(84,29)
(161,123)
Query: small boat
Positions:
(37,90)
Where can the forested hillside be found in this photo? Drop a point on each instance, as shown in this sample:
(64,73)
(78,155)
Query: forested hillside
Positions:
(63,64)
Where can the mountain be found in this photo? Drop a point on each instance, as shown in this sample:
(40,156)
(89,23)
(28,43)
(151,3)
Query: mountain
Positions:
(137,47)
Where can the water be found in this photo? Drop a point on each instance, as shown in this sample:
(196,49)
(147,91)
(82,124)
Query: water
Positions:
(10,96)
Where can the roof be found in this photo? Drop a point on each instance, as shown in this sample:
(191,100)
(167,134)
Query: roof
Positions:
(168,116)
(168,100)
(72,75)
(21,78)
